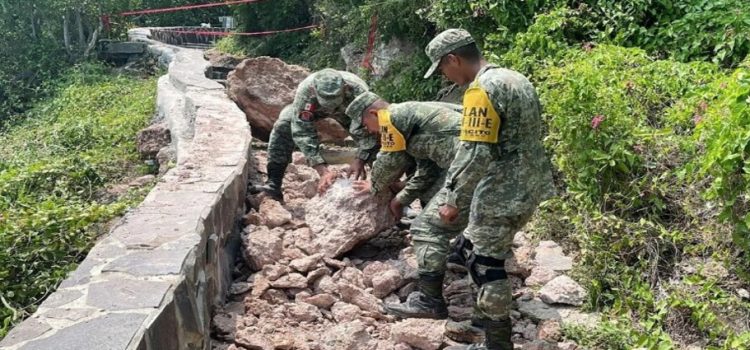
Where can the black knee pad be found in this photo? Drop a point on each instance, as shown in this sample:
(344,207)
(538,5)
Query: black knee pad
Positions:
(460,250)
(494,269)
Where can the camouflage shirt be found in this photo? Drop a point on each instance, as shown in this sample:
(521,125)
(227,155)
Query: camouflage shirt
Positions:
(430,130)
(303,129)
(519,151)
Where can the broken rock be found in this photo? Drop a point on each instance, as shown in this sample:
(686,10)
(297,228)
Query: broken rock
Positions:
(273,213)
(292,280)
(420,333)
(340,219)
(262,246)
(383,278)
(563,290)
(347,336)
(307,263)
(550,255)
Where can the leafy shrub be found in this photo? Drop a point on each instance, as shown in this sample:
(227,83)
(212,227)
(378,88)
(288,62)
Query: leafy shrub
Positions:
(54,164)
(604,111)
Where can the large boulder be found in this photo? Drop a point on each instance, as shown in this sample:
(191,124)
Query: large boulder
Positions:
(340,219)
(263,86)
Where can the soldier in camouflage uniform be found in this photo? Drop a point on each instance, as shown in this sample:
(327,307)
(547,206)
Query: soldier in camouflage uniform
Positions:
(427,133)
(500,171)
(323,94)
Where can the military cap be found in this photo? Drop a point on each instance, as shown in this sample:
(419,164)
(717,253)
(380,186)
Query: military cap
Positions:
(329,86)
(358,106)
(443,44)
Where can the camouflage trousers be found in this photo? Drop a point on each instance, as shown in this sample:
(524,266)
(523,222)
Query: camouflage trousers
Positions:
(280,143)
(492,225)
(490,230)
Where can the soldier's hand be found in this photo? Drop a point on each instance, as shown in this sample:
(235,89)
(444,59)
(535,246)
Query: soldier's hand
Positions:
(397,209)
(448,213)
(361,187)
(326,180)
(357,170)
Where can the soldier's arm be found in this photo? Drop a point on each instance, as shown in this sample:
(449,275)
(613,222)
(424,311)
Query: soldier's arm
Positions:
(387,168)
(425,176)
(304,134)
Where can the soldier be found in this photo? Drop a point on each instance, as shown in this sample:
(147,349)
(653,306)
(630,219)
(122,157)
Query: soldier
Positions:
(323,94)
(500,168)
(428,133)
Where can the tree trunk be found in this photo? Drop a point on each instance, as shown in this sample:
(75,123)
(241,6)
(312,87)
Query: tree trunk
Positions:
(79,24)
(92,40)
(66,35)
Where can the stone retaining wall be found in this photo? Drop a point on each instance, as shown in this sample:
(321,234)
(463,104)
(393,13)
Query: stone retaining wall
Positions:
(152,281)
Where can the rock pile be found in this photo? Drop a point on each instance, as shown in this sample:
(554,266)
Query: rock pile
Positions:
(318,272)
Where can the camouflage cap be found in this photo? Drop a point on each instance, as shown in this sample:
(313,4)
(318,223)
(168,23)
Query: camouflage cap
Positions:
(329,87)
(443,44)
(358,107)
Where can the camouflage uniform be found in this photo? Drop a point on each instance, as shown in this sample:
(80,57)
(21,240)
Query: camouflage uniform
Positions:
(323,94)
(507,180)
(294,128)
(501,173)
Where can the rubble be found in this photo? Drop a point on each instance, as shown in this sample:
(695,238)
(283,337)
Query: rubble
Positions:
(306,287)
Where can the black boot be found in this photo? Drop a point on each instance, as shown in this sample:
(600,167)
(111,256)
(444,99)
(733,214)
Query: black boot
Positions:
(273,184)
(426,302)
(497,337)
(468,331)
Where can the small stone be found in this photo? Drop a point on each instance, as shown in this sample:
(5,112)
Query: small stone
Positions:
(303,312)
(563,290)
(292,280)
(520,263)
(743,293)
(537,310)
(359,297)
(314,275)
(323,300)
(392,299)
(262,246)
(344,312)
(250,339)
(423,334)
(540,276)
(550,255)
(275,296)
(274,272)
(383,278)
(307,263)
(353,276)
(549,330)
(273,213)
(326,284)
(336,264)
(346,336)
(239,288)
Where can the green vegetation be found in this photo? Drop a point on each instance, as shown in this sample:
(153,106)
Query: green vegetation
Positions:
(56,162)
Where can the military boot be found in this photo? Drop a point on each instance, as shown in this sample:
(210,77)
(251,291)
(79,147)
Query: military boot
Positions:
(426,302)
(273,185)
(497,337)
(468,331)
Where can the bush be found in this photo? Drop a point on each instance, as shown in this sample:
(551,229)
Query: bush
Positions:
(54,165)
